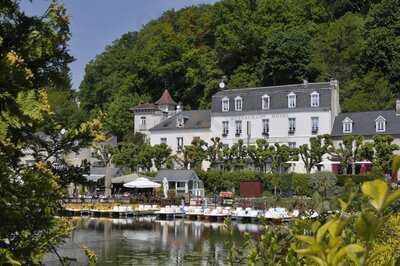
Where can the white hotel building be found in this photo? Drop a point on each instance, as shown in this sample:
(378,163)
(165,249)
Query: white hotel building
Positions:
(288,114)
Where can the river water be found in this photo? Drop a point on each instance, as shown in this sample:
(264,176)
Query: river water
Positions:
(146,241)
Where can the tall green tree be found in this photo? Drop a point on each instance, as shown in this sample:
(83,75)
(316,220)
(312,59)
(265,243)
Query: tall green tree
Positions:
(33,59)
(119,119)
(195,153)
(162,156)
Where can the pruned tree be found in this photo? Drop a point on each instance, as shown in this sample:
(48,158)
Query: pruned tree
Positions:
(348,152)
(260,154)
(214,152)
(311,154)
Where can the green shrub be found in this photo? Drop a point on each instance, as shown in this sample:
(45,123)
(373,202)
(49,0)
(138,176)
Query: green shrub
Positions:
(323,182)
(301,184)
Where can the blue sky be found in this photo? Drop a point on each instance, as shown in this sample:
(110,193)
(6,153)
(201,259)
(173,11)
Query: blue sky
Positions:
(96,23)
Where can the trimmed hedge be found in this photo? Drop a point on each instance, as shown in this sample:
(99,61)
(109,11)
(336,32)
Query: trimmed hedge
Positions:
(287,184)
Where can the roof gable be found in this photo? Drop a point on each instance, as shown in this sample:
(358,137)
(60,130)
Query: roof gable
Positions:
(364,123)
(165,99)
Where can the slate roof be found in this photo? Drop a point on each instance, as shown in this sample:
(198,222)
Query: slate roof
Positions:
(364,123)
(195,119)
(165,99)
(176,175)
(252,98)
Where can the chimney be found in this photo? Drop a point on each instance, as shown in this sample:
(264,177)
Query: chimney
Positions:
(398,106)
(305,82)
(179,107)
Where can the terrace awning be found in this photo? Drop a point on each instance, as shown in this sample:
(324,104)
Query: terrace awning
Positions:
(142,183)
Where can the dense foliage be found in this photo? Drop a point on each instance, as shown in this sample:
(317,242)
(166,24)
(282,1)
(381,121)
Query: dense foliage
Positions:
(254,43)
(363,231)
(38,121)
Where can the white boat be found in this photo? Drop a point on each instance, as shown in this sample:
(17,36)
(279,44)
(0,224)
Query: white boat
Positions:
(170,212)
(194,212)
(280,214)
(247,213)
(217,213)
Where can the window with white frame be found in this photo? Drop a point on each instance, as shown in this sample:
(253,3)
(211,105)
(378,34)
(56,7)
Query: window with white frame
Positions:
(225,128)
(225,104)
(380,124)
(314,99)
(238,124)
(292,125)
(292,145)
(347,125)
(292,100)
(143,122)
(238,103)
(163,141)
(314,125)
(265,124)
(265,102)
(180,121)
(179,143)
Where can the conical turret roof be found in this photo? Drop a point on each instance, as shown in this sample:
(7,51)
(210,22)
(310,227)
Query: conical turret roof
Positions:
(165,99)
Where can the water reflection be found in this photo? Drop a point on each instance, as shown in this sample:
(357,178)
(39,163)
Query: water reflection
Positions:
(146,241)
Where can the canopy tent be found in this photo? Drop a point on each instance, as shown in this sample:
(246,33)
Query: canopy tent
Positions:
(142,182)
(127,178)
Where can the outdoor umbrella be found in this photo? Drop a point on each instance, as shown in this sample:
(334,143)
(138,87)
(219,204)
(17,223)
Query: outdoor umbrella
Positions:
(142,182)
(363,162)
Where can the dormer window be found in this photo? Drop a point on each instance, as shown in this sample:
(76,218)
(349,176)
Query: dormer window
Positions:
(292,100)
(347,125)
(238,103)
(380,124)
(265,102)
(314,99)
(225,104)
(180,121)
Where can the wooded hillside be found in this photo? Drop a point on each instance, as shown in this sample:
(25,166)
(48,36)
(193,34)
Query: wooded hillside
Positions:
(253,43)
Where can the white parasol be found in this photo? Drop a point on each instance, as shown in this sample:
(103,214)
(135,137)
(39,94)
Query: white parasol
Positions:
(142,182)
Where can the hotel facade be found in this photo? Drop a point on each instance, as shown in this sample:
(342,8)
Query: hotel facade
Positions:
(287,114)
